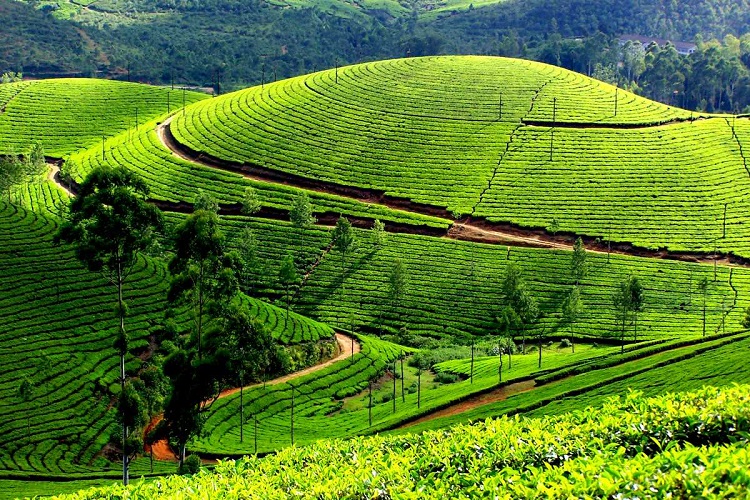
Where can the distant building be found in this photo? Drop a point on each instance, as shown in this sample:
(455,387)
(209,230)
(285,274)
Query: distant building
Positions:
(683,48)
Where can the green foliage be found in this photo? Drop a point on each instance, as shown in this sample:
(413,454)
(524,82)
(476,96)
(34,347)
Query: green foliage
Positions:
(250,202)
(191,465)
(301,211)
(203,275)
(680,442)
(378,235)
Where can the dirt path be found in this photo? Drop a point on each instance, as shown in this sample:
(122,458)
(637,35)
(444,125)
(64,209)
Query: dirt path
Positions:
(53,175)
(467,229)
(498,394)
(345,343)
(348,346)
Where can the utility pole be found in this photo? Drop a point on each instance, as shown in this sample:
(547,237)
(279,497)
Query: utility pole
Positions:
(255,433)
(394,386)
(103,148)
(403,396)
(136,118)
(291,427)
(337,70)
(617,90)
(472,361)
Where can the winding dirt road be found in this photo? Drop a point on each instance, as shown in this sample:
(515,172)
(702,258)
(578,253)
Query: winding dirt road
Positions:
(347,347)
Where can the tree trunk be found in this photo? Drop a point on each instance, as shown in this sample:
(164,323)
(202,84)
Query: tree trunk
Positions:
(704,315)
(540,351)
(123,349)
(200,311)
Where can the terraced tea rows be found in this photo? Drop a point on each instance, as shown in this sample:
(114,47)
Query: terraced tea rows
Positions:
(454,286)
(654,187)
(57,332)
(176,180)
(431,130)
(71,365)
(67,115)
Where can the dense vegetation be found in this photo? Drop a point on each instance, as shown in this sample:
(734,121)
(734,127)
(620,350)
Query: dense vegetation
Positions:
(451,137)
(691,445)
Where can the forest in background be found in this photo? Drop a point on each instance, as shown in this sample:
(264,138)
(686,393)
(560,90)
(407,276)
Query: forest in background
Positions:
(231,44)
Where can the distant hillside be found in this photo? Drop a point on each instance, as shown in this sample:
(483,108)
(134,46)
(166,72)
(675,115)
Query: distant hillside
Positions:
(33,41)
(241,42)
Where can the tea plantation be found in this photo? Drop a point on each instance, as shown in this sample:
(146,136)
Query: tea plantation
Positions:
(476,165)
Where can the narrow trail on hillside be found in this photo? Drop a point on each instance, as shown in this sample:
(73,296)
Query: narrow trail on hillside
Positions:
(739,144)
(347,347)
(493,396)
(5,104)
(501,157)
(467,228)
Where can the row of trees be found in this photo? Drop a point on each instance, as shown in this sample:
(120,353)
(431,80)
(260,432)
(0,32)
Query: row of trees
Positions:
(716,77)
(520,311)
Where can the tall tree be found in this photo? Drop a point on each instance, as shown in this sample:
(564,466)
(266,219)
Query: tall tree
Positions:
(397,284)
(251,268)
(301,213)
(250,203)
(627,299)
(35,161)
(636,302)
(518,299)
(572,308)
(249,349)
(109,224)
(343,240)
(578,266)
(25,394)
(377,234)
(11,174)
(202,273)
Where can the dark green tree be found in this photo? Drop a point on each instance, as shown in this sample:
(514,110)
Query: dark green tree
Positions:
(572,308)
(301,212)
(249,349)
(109,224)
(517,298)
(250,203)
(25,394)
(377,234)
(578,266)
(202,273)
(343,240)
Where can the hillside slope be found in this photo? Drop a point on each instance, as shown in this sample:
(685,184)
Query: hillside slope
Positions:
(503,140)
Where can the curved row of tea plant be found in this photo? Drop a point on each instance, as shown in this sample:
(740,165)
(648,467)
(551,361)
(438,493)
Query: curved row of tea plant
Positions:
(66,115)
(428,129)
(173,179)
(689,445)
(654,187)
(454,287)
(57,330)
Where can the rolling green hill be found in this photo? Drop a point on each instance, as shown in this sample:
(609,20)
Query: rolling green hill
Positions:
(417,143)
(66,115)
(564,148)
